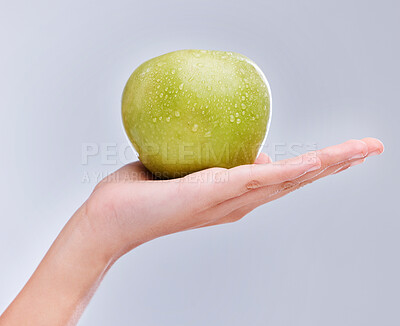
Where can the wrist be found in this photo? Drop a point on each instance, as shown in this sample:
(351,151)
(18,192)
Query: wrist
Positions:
(90,240)
(109,235)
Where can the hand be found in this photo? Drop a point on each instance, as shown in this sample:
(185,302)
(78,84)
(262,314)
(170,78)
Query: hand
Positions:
(129,207)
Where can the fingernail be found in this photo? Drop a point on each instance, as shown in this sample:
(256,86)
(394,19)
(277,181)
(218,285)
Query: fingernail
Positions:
(357,162)
(373,153)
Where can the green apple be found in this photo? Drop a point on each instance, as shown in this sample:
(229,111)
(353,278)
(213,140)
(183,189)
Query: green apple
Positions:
(190,110)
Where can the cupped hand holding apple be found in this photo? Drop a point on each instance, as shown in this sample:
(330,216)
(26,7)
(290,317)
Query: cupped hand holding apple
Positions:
(203,115)
(130,207)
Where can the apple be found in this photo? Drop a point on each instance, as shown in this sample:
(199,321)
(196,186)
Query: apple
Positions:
(190,110)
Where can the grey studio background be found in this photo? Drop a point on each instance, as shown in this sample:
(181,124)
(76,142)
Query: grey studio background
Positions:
(326,255)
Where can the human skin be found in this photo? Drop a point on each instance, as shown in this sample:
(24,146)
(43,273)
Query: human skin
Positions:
(129,208)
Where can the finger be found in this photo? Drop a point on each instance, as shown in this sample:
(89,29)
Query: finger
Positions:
(284,189)
(375,146)
(239,207)
(236,208)
(233,216)
(349,150)
(348,165)
(213,186)
(244,178)
(262,196)
(236,181)
(333,160)
(335,156)
(263,159)
(228,190)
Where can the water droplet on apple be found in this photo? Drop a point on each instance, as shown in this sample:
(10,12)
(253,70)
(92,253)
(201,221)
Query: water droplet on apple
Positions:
(238,120)
(231,118)
(168,119)
(154,119)
(177,114)
(181,86)
(195,127)
(173,71)
(236,114)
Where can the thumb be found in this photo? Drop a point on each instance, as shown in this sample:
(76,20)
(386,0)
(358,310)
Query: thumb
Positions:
(263,159)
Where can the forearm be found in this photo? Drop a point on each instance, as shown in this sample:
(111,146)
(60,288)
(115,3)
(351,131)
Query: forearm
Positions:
(65,280)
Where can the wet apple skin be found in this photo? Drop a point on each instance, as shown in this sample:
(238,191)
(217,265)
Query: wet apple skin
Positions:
(190,110)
